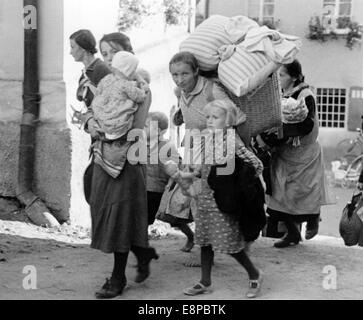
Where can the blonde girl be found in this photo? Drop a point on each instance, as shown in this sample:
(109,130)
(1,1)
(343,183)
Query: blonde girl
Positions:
(215,229)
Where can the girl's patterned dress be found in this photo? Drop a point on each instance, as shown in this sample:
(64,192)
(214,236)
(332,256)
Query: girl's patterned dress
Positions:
(213,227)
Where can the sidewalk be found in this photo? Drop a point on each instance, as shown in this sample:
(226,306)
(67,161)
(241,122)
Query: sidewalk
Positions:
(68,269)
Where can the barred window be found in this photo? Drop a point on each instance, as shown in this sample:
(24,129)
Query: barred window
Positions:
(338,8)
(337,13)
(332,107)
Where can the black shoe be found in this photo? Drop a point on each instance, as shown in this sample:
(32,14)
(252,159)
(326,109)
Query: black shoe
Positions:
(312,228)
(143,269)
(287,241)
(111,289)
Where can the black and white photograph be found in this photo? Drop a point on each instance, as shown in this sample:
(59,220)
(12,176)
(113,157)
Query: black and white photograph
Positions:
(181,155)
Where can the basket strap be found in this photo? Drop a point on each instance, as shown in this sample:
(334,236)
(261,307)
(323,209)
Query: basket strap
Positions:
(209,91)
(305,93)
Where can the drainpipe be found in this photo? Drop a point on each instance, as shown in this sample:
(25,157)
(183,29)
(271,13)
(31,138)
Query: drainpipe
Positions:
(35,209)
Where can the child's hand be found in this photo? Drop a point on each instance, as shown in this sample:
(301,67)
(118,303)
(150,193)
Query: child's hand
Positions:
(171,168)
(144,86)
(79,117)
(190,192)
(187,175)
(186,182)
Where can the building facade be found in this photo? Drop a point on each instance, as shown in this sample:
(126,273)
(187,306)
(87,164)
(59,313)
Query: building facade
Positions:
(61,153)
(333,69)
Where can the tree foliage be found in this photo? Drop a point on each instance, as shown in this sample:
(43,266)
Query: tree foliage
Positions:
(131,14)
(174,11)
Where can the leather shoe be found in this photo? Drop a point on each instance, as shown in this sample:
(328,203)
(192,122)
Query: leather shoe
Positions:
(143,269)
(287,240)
(254,287)
(312,229)
(111,289)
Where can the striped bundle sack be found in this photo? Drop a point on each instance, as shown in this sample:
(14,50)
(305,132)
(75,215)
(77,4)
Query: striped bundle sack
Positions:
(242,71)
(205,41)
(214,33)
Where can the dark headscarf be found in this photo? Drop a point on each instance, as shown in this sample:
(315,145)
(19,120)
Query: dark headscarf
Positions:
(85,39)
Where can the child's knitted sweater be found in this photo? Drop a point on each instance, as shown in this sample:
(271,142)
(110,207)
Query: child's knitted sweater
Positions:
(115,103)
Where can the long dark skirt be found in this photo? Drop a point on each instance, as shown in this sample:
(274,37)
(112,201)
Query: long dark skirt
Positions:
(119,209)
(300,218)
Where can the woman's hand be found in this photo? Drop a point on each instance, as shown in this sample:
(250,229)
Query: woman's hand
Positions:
(360,186)
(92,128)
(78,117)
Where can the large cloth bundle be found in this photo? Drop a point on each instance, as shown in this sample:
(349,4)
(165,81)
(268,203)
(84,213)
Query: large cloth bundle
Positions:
(261,106)
(246,57)
(351,225)
(212,34)
(242,71)
(244,53)
(245,66)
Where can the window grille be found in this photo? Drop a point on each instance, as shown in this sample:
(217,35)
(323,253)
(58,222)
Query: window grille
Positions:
(332,107)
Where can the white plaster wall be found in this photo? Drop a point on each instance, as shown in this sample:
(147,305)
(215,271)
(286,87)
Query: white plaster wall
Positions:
(11,39)
(53,148)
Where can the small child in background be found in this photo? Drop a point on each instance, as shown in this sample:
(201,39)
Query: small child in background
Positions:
(157,176)
(117,96)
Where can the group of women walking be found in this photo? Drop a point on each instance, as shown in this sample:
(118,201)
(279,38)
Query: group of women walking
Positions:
(119,205)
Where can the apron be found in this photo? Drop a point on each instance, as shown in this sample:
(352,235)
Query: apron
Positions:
(299,184)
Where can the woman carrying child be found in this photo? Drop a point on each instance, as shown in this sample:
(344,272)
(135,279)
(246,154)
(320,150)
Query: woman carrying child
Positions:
(119,213)
(214,230)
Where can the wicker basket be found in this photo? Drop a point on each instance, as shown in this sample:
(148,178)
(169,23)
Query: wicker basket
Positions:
(261,106)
